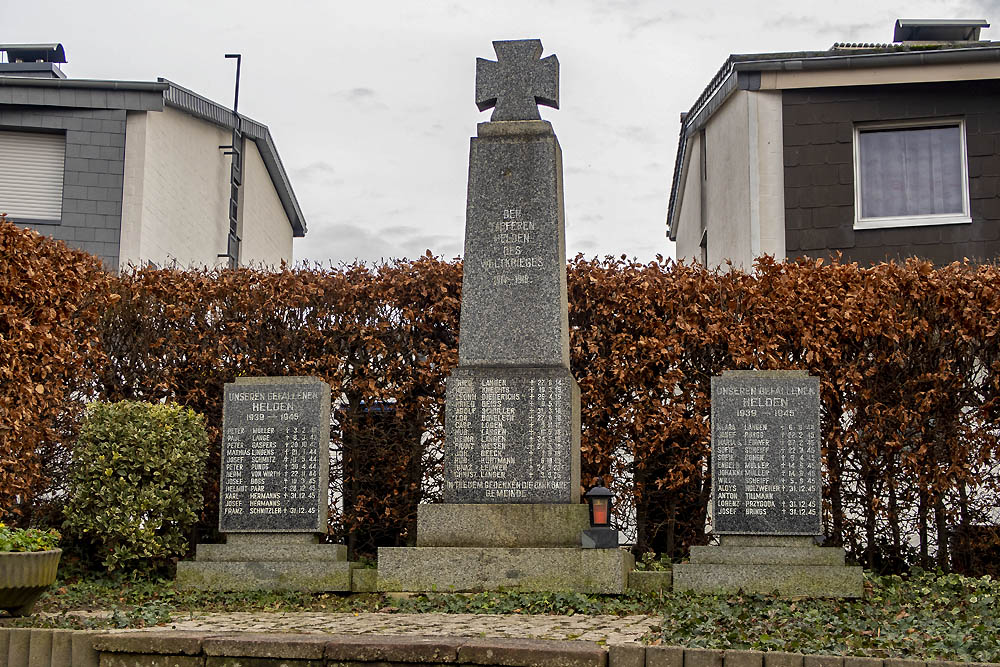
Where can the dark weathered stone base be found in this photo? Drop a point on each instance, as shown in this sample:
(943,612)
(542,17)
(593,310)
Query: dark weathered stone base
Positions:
(650,581)
(267,562)
(310,577)
(484,525)
(789,566)
(474,569)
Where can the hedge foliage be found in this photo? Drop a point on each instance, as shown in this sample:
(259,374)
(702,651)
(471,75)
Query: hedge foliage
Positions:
(135,483)
(50,300)
(907,354)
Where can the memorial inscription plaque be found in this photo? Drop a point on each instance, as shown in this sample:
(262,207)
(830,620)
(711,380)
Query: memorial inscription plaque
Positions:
(511,517)
(275,455)
(509,436)
(766,453)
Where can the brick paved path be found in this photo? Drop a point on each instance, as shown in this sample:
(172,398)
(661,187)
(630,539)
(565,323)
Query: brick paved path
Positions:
(609,629)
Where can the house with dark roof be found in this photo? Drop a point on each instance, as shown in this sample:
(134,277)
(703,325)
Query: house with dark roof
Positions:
(139,172)
(874,151)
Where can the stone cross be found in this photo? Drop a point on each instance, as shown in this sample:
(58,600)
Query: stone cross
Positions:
(518,81)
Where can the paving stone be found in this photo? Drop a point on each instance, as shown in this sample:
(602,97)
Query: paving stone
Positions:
(862,662)
(362,648)
(743,658)
(84,654)
(531,653)
(782,659)
(217,661)
(161,642)
(62,648)
(148,660)
(823,661)
(626,655)
(703,657)
(898,662)
(19,642)
(260,645)
(40,647)
(664,656)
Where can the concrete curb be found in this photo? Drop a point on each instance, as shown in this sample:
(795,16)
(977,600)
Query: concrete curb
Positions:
(43,647)
(39,647)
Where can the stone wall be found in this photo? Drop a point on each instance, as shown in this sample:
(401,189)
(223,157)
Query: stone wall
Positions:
(92,176)
(24,647)
(819,171)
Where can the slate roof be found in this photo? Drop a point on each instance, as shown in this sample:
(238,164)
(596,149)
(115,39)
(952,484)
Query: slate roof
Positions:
(742,72)
(153,96)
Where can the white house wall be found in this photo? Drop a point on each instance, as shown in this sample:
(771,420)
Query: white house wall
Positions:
(267,232)
(184,194)
(689,222)
(727,186)
(742,199)
(770,180)
(135,170)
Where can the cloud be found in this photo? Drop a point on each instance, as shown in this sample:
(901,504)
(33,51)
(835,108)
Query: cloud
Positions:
(318,172)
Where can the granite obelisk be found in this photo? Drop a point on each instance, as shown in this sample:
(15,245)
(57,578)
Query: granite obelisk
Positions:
(512,516)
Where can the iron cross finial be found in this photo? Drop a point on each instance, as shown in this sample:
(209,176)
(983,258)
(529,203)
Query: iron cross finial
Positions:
(517,81)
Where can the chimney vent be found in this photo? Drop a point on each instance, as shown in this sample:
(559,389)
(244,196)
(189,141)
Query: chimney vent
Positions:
(33,60)
(938,30)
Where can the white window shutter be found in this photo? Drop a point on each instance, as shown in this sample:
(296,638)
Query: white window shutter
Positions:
(31,175)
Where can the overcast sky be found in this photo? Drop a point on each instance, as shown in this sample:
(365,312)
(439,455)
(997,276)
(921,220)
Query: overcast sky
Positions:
(371,103)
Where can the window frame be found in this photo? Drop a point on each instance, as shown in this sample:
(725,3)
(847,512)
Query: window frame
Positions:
(60,136)
(964,217)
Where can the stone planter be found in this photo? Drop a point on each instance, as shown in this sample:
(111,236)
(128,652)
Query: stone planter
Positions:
(24,576)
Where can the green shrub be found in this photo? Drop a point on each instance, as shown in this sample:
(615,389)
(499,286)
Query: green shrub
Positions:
(29,539)
(135,482)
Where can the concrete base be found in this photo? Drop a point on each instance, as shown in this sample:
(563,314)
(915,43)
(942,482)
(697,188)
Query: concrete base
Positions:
(650,581)
(309,577)
(474,569)
(267,562)
(789,566)
(501,525)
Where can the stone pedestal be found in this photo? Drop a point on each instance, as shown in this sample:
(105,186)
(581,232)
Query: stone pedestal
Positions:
(272,493)
(272,562)
(790,566)
(480,547)
(512,517)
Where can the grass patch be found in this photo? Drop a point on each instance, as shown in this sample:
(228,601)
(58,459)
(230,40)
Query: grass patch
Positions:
(925,615)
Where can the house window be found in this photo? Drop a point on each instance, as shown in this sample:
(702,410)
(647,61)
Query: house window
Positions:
(31,176)
(910,174)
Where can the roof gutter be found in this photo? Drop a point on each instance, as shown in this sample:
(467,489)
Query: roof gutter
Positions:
(736,74)
(204,108)
(31,82)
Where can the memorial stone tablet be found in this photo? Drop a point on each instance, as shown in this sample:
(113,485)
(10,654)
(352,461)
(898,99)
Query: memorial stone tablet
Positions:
(275,455)
(511,437)
(766,453)
(512,414)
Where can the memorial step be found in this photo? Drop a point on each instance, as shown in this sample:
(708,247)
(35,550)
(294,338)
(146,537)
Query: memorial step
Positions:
(811,555)
(265,552)
(309,577)
(475,569)
(489,525)
(766,578)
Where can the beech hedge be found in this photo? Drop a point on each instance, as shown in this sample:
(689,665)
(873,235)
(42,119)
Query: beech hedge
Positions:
(907,355)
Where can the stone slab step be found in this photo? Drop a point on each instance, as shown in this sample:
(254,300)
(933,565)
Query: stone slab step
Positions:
(312,576)
(811,555)
(786,580)
(473,569)
(501,525)
(269,552)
